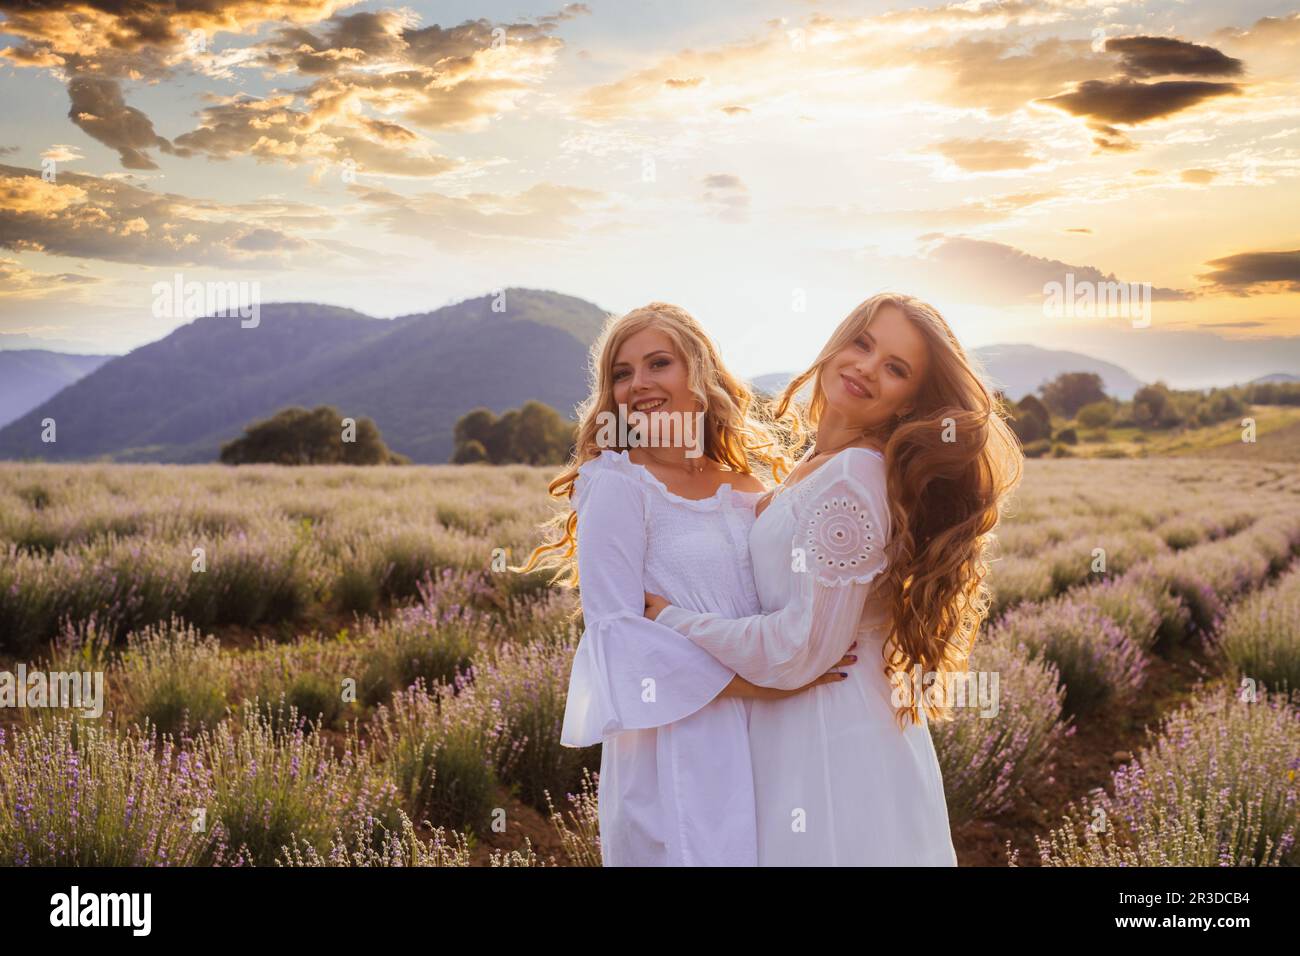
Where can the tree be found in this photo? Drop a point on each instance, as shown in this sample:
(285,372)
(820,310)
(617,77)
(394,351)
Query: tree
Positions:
(475,426)
(1220,405)
(1153,408)
(1070,391)
(500,442)
(1031,421)
(1096,414)
(541,436)
(535,434)
(469,453)
(296,436)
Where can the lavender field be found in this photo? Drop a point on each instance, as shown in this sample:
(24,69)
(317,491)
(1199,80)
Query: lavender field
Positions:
(334,667)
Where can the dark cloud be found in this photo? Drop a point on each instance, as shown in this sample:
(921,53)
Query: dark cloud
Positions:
(434,77)
(1247,273)
(97,43)
(137,38)
(1000,76)
(1132,103)
(100,110)
(1108,139)
(366,62)
(1146,56)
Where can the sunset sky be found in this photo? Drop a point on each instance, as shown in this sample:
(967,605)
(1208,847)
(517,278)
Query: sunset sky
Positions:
(738,159)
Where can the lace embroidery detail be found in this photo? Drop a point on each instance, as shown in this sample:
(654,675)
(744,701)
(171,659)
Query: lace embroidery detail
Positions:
(841,542)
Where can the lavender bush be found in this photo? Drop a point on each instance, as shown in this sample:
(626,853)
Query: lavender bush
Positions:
(989,761)
(170,675)
(274,777)
(579,827)
(531,682)
(371,844)
(444,751)
(1098,662)
(1261,637)
(75,793)
(1217,787)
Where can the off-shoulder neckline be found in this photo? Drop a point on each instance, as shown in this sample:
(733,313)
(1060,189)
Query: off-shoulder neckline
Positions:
(726,491)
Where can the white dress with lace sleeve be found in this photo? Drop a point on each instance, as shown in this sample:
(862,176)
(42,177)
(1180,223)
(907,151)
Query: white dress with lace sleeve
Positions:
(676,784)
(836,782)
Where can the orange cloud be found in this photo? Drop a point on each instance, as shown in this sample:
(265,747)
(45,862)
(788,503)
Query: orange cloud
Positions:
(93,217)
(986,155)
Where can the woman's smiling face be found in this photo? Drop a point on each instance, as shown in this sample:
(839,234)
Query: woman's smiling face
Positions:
(649,376)
(879,373)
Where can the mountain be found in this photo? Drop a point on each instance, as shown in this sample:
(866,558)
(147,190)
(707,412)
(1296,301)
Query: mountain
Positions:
(178,399)
(772,382)
(1020,369)
(30,376)
(1277,378)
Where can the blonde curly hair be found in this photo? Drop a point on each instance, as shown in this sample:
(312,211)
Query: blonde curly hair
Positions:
(736,435)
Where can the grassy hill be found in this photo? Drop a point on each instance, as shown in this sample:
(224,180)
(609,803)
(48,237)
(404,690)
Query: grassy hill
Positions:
(1277,438)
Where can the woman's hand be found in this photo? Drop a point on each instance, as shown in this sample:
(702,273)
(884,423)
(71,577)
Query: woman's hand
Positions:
(653,605)
(739,687)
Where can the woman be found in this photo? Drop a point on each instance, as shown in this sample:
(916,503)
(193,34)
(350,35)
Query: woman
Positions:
(879,534)
(676,785)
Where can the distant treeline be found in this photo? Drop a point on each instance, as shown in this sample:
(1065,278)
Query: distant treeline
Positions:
(1080,401)
(536,434)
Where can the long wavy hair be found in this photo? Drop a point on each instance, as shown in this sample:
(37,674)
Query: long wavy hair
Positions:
(952,463)
(735,432)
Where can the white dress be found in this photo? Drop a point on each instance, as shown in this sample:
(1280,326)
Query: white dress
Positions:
(676,785)
(836,782)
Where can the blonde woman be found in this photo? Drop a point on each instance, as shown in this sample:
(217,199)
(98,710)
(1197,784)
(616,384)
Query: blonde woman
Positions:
(676,784)
(878,536)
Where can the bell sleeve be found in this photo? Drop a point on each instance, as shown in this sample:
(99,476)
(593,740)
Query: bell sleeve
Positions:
(836,553)
(629,673)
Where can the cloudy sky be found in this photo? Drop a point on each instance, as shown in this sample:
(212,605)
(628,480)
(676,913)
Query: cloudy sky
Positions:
(767,165)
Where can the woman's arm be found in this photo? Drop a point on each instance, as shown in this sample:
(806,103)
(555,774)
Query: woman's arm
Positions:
(739,687)
(837,553)
(628,673)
